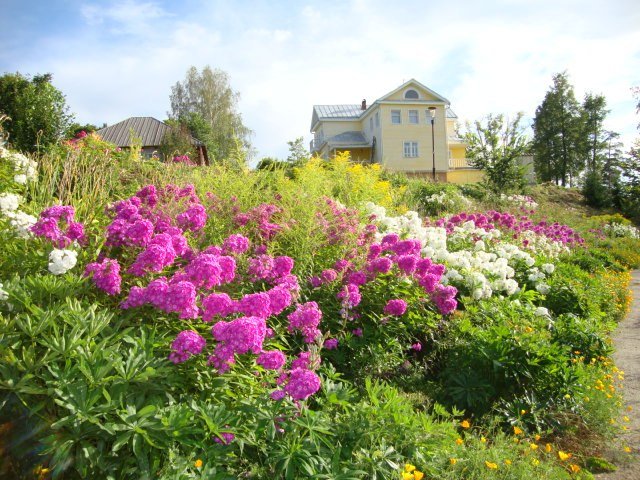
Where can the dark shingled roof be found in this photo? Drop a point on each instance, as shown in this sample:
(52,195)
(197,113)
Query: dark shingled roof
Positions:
(150,130)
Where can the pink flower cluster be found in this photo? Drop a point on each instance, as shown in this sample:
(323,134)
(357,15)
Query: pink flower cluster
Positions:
(184,159)
(260,218)
(300,382)
(185,345)
(171,297)
(338,223)
(306,319)
(493,219)
(242,335)
(105,275)
(57,225)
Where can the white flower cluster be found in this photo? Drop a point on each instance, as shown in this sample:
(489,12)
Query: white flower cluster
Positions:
(25,168)
(9,202)
(20,221)
(542,245)
(520,200)
(477,260)
(61,261)
(619,230)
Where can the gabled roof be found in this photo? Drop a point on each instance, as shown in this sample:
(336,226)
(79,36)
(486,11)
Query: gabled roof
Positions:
(417,84)
(150,130)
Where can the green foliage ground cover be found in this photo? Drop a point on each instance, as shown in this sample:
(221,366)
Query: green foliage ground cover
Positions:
(497,389)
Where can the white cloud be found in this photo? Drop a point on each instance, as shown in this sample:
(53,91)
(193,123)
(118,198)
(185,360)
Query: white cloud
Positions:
(485,58)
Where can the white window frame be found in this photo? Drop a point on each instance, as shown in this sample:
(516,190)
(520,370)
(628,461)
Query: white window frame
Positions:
(399,117)
(410,149)
(411,98)
(417,117)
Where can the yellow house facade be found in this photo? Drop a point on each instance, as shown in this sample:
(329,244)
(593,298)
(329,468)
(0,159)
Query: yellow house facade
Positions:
(411,130)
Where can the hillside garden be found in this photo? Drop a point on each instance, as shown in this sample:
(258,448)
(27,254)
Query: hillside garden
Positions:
(330,322)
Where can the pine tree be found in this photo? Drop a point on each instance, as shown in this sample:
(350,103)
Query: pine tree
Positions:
(557,131)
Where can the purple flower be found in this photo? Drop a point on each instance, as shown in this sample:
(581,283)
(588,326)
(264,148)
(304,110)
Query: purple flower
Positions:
(331,343)
(226,439)
(217,304)
(357,332)
(302,384)
(194,218)
(105,275)
(416,346)
(255,305)
(407,263)
(329,275)
(279,299)
(272,360)
(350,295)
(235,244)
(186,344)
(306,319)
(381,264)
(395,307)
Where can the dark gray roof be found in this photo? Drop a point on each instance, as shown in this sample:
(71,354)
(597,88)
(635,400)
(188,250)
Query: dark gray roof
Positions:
(150,130)
(352,139)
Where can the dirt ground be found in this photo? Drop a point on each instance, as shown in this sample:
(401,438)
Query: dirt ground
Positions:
(627,358)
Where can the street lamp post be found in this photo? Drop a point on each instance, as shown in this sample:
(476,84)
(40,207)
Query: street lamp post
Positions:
(432,112)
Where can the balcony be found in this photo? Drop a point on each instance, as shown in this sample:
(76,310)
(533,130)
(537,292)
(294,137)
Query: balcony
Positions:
(457,163)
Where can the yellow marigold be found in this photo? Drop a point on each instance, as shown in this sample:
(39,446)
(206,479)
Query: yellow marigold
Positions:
(563,456)
(198,463)
(418,475)
(459,441)
(483,439)
(409,468)
(627,449)
(491,465)
(453,461)
(537,437)
(547,448)
(465,424)
(407,476)
(507,462)
(517,430)
(574,468)
(533,446)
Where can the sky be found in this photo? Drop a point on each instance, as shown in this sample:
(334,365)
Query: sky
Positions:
(117,59)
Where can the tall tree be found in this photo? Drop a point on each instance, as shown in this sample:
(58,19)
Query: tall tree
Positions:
(593,135)
(557,134)
(38,112)
(298,153)
(495,147)
(207,97)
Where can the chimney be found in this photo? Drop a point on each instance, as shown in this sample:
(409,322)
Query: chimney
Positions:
(364,104)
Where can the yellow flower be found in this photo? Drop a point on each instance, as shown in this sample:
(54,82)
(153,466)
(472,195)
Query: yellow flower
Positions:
(533,446)
(407,476)
(625,418)
(459,441)
(418,475)
(528,329)
(537,437)
(491,465)
(563,456)
(517,430)
(507,462)
(409,468)
(453,461)
(547,447)
(483,439)
(522,412)
(627,449)
(567,396)
(535,462)
(465,424)
(198,463)
(574,468)
(629,408)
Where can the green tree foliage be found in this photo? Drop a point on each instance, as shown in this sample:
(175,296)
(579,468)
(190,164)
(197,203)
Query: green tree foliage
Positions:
(38,111)
(297,151)
(557,129)
(207,105)
(75,128)
(178,141)
(495,147)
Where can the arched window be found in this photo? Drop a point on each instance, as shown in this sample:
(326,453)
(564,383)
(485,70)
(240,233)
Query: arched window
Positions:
(411,94)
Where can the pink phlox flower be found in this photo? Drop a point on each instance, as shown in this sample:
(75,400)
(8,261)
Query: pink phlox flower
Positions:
(272,359)
(193,219)
(444,298)
(217,304)
(395,307)
(306,319)
(235,244)
(302,384)
(158,255)
(279,299)
(331,343)
(105,275)
(255,305)
(350,295)
(185,345)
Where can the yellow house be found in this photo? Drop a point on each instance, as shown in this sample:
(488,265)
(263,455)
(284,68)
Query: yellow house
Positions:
(411,130)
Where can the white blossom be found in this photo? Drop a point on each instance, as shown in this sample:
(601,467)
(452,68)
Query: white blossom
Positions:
(61,261)
(9,202)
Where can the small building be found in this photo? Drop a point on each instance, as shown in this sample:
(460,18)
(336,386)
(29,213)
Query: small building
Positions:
(410,129)
(150,131)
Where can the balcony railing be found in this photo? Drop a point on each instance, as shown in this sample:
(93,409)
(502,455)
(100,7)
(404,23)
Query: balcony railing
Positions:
(459,163)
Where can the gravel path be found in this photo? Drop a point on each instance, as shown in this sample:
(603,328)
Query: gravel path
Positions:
(627,358)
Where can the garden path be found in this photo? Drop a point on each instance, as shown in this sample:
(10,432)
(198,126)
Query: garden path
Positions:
(627,358)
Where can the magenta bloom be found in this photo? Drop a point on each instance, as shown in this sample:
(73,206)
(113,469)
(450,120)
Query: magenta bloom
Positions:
(350,296)
(235,244)
(416,346)
(49,226)
(255,305)
(194,218)
(395,307)
(106,275)
(329,275)
(272,360)
(227,438)
(331,343)
(279,299)
(306,319)
(186,344)
(217,304)
(357,332)
(302,384)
